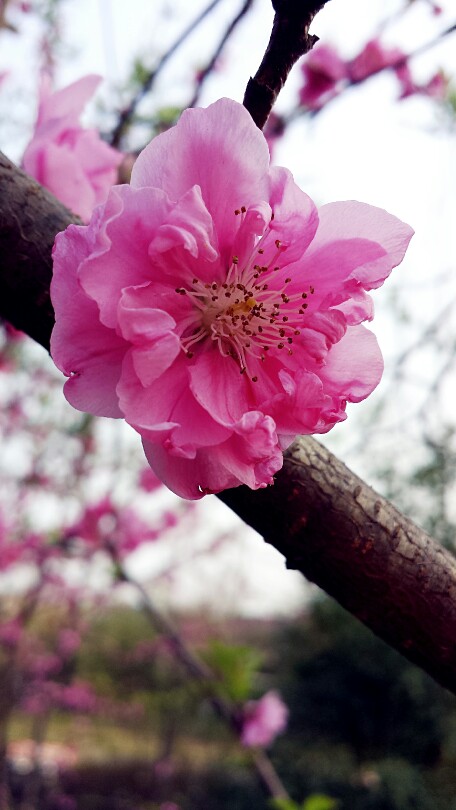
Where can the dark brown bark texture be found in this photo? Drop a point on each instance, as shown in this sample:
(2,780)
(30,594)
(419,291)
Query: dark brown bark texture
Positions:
(289,40)
(328,524)
(29,219)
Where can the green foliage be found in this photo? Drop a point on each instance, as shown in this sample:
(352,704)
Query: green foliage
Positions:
(317,801)
(236,666)
(140,73)
(283,804)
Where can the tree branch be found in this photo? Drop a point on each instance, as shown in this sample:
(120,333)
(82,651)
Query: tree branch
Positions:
(329,525)
(126,115)
(245,8)
(290,39)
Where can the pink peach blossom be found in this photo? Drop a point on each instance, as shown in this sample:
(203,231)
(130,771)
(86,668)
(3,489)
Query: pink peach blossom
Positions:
(373,58)
(436,87)
(263,720)
(72,162)
(213,307)
(324,72)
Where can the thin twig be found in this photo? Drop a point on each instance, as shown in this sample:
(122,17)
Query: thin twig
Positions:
(210,65)
(199,670)
(127,114)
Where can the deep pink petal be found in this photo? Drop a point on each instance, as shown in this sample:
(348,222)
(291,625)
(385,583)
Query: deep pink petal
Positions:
(332,270)
(93,355)
(219,387)
(250,456)
(188,478)
(140,323)
(146,407)
(151,361)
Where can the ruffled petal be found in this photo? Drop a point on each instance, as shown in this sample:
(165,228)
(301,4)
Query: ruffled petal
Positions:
(355,220)
(188,229)
(91,356)
(132,218)
(354,366)
(250,456)
(203,149)
(295,214)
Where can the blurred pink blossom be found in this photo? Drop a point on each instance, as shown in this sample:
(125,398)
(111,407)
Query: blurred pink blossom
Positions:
(69,160)
(263,720)
(213,307)
(108,527)
(68,642)
(373,58)
(11,632)
(436,87)
(148,481)
(324,72)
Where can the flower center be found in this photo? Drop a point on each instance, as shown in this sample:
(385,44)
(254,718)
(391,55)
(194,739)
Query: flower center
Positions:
(245,316)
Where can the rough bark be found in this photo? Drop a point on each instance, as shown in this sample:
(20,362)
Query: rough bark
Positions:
(359,548)
(329,525)
(289,40)
(29,219)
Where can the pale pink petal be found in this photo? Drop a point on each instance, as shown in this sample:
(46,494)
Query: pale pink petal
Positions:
(72,162)
(295,214)
(263,720)
(188,227)
(354,366)
(69,101)
(203,150)
(355,220)
(135,216)
(64,176)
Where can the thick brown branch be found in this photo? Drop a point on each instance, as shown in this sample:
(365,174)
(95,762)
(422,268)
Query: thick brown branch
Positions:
(290,39)
(326,521)
(360,549)
(29,219)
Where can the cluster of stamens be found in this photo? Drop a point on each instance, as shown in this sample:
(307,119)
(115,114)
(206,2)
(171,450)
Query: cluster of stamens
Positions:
(242,315)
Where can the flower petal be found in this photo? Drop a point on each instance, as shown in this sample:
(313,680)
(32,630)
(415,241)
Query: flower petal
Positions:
(355,220)
(203,150)
(93,355)
(354,366)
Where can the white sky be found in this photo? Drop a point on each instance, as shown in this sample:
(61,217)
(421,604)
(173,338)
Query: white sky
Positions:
(365,146)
